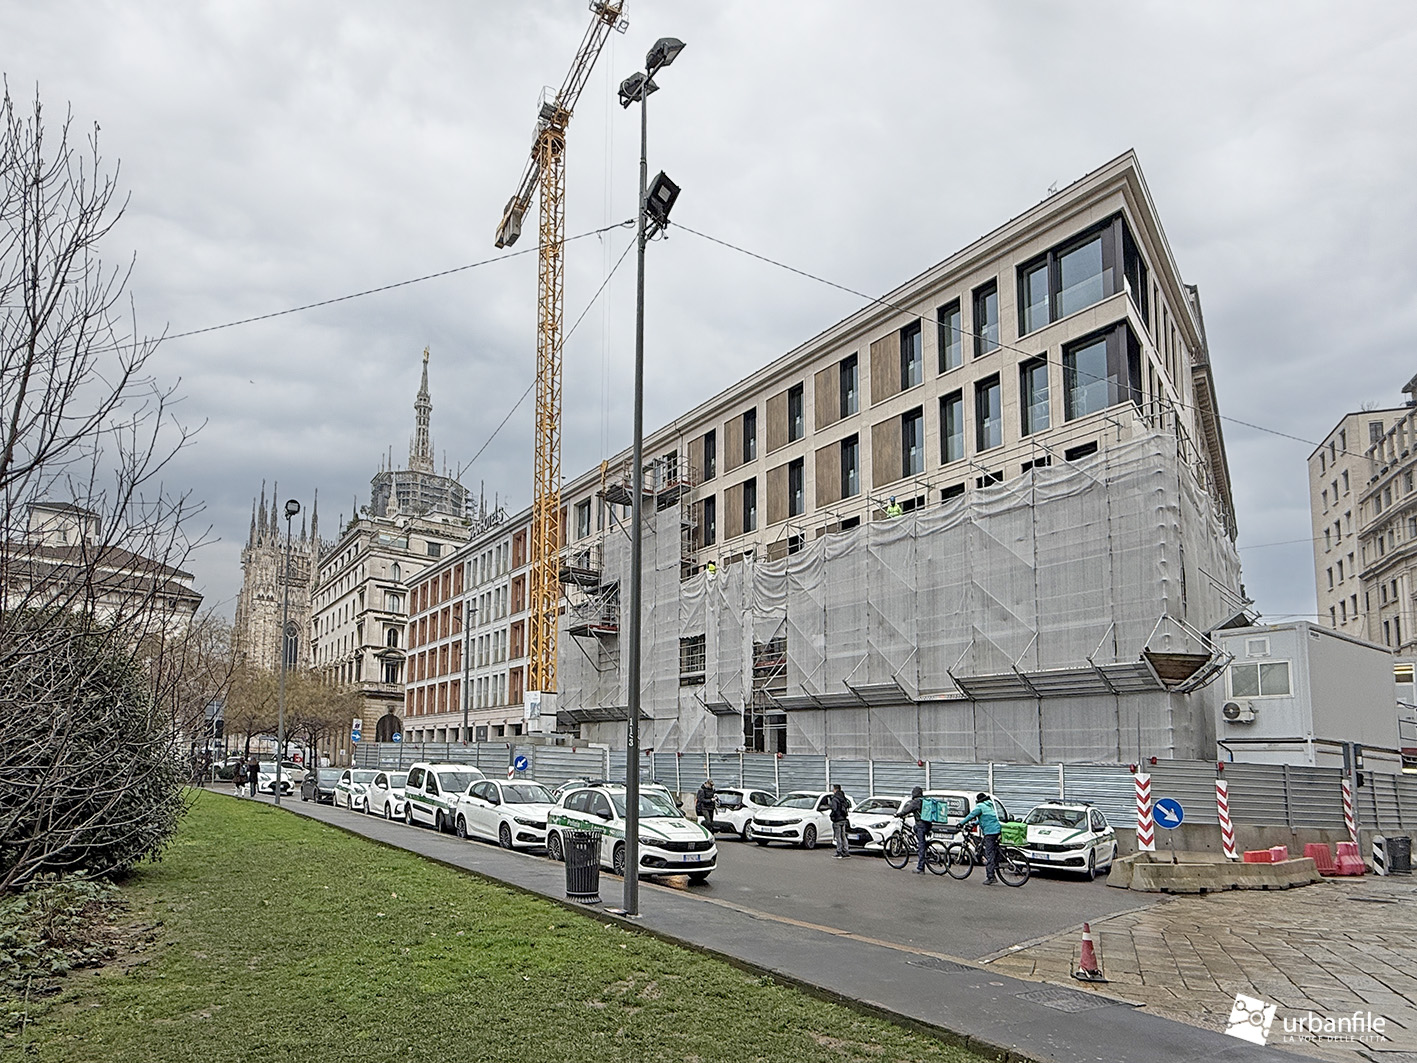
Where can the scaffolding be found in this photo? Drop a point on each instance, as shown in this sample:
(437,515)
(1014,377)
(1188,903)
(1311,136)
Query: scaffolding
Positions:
(1059,616)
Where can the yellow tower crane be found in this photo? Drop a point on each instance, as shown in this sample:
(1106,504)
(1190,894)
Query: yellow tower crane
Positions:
(546,170)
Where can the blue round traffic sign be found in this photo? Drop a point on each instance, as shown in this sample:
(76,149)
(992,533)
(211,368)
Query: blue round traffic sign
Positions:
(398,736)
(355,736)
(520,763)
(1169,813)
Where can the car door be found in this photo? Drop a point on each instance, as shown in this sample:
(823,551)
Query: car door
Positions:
(378,792)
(1101,836)
(823,818)
(601,817)
(343,788)
(481,807)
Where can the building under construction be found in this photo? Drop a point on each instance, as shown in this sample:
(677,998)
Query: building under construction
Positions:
(987,516)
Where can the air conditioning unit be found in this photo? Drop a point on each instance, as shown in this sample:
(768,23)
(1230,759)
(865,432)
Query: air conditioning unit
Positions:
(1238,712)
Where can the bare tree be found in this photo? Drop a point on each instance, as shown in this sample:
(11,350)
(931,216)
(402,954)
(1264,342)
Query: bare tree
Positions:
(93,598)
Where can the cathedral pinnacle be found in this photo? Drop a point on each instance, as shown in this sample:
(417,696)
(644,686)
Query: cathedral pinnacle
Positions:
(420,453)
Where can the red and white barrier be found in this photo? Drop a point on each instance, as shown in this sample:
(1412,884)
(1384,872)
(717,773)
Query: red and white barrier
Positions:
(1227,829)
(1348,820)
(1146,824)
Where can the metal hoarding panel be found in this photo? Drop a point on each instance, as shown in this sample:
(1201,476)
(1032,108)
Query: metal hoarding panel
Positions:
(1021,786)
(898,778)
(760,772)
(1192,782)
(1315,797)
(853,775)
(802,772)
(1258,794)
(726,769)
(1109,787)
(953,775)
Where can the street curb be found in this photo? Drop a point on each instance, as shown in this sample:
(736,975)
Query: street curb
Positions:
(872,1008)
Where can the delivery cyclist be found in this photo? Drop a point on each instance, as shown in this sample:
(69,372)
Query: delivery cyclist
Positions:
(988,817)
(914,807)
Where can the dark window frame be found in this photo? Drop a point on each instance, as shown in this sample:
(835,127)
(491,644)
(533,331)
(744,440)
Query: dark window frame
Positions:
(984,342)
(912,356)
(1123,361)
(750,505)
(1026,400)
(796,488)
(950,336)
(710,454)
(955,398)
(984,419)
(851,472)
(750,435)
(849,371)
(796,416)
(710,518)
(915,417)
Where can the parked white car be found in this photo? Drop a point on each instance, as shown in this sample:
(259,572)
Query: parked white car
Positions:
(385,796)
(1070,837)
(513,814)
(431,789)
(352,790)
(799,818)
(736,809)
(873,821)
(266,779)
(670,843)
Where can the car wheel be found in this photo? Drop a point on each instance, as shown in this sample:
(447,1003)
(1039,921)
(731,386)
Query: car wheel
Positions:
(1113,858)
(553,847)
(698,878)
(304,796)
(408,814)
(461,828)
(617,860)
(439,822)
(1091,873)
(504,836)
(388,812)
(809,837)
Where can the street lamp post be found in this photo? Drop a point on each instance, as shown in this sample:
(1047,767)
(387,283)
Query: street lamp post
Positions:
(636,89)
(468,612)
(292,507)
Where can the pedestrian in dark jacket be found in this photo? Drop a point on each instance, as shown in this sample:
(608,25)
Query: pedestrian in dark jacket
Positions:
(238,777)
(839,808)
(253,772)
(705,801)
(914,807)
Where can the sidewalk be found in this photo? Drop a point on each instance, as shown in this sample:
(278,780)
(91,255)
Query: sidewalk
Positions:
(1334,948)
(1028,1019)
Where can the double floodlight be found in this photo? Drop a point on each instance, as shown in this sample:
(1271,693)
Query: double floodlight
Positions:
(663,53)
(636,87)
(640,84)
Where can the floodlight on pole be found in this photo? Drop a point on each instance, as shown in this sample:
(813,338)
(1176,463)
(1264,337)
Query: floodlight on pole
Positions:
(637,89)
(292,507)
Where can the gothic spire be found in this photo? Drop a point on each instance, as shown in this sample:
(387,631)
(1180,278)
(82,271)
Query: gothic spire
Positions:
(251,539)
(420,453)
(275,510)
(261,523)
(315,523)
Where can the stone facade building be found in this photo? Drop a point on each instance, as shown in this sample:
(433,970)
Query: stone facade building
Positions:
(261,601)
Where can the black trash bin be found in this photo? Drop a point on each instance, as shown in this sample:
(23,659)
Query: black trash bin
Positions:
(582,866)
(1399,855)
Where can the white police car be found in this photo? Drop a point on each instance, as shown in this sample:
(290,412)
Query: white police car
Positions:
(670,843)
(1070,836)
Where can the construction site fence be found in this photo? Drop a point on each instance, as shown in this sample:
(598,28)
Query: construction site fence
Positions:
(1267,794)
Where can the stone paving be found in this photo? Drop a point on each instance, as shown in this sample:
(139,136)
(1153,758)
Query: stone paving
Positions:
(1336,948)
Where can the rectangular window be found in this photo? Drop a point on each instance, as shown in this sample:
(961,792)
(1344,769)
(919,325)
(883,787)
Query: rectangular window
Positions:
(986,319)
(750,434)
(1375,431)
(1262,679)
(750,505)
(1033,395)
(850,466)
(710,529)
(582,519)
(1082,280)
(1033,300)
(988,414)
(952,428)
(912,442)
(796,488)
(951,346)
(1085,381)
(850,397)
(710,454)
(796,426)
(912,356)
(692,658)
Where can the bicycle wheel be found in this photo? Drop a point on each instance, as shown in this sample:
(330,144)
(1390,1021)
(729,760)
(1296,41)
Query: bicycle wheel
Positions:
(937,858)
(897,851)
(1014,868)
(959,860)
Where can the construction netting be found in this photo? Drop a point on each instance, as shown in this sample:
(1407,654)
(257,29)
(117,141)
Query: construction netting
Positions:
(980,629)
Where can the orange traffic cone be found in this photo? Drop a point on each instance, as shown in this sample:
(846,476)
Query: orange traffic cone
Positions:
(1089,970)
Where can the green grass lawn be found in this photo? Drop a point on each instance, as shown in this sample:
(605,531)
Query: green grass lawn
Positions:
(277,938)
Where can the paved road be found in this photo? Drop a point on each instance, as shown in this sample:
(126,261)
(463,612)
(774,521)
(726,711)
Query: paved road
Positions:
(864,895)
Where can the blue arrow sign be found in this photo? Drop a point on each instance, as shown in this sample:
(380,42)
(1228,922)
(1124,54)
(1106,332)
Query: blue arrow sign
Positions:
(398,736)
(1169,813)
(355,736)
(520,763)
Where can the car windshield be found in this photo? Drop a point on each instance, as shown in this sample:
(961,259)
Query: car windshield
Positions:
(269,769)
(397,780)
(456,781)
(1057,817)
(526,793)
(879,804)
(798,801)
(729,799)
(364,776)
(329,774)
(652,806)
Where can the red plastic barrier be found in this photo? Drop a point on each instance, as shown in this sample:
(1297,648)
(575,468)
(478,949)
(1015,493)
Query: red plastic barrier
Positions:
(1278,854)
(1258,856)
(1322,857)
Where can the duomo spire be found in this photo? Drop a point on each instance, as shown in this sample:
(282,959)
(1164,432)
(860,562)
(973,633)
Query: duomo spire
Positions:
(420,453)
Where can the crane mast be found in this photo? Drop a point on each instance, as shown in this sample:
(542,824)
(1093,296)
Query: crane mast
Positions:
(546,172)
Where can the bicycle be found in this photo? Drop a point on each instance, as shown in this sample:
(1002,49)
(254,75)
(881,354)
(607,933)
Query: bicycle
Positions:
(961,856)
(901,847)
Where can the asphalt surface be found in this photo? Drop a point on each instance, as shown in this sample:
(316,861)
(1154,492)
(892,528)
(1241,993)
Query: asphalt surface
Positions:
(1010,1017)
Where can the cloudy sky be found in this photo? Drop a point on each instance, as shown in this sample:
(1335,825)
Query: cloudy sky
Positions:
(280,154)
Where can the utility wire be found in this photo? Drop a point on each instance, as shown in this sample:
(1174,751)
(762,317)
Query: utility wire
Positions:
(571,332)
